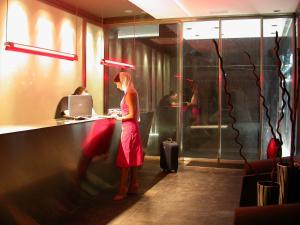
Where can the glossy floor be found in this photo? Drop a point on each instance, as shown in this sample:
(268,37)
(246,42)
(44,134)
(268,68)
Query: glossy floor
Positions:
(194,195)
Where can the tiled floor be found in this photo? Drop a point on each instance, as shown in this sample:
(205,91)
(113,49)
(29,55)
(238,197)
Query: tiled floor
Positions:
(194,195)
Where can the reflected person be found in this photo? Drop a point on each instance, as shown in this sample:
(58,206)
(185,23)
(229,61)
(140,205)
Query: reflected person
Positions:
(166,116)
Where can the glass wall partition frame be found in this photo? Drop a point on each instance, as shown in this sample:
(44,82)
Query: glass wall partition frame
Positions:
(152,49)
(205,130)
(240,36)
(272,90)
(200,90)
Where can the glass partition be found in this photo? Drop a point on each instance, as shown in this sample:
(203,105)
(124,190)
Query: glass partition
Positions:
(205,127)
(200,90)
(271,85)
(152,49)
(238,37)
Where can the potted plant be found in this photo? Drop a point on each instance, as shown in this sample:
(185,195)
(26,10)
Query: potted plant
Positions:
(288,174)
(230,105)
(268,191)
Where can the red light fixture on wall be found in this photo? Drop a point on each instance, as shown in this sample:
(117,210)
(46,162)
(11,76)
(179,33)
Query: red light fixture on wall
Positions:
(11,46)
(108,62)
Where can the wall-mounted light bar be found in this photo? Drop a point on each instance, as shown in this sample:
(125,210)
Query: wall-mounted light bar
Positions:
(11,46)
(108,62)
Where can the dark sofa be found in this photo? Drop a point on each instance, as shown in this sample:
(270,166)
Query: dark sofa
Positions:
(249,212)
(287,214)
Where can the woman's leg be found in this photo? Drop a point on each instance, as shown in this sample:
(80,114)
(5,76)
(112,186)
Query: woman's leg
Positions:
(123,183)
(134,185)
(82,166)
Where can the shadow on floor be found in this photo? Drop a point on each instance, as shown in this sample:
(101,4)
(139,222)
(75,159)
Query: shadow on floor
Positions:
(106,209)
(59,200)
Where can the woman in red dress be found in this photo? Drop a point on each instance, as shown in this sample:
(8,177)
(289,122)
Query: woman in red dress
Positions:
(130,153)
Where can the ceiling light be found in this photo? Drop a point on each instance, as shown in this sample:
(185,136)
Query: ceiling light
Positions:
(128,11)
(219,12)
(200,30)
(272,25)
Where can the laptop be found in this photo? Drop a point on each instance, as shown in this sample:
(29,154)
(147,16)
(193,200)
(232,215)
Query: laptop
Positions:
(80,106)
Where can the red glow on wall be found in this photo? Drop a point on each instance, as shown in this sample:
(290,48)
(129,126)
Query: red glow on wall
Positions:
(108,62)
(11,46)
(179,76)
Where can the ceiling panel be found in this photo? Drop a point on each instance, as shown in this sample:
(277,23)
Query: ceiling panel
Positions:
(161,9)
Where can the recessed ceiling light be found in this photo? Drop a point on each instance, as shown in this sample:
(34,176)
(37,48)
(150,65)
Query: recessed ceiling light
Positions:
(276,10)
(128,11)
(219,12)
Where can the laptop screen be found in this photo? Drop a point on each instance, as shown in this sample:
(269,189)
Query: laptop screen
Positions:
(80,105)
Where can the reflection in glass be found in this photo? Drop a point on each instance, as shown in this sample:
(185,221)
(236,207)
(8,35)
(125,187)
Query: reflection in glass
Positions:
(239,36)
(200,90)
(205,126)
(152,49)
(271,86)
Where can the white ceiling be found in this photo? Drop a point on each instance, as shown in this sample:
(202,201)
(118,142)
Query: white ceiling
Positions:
(160,9)
(212,8)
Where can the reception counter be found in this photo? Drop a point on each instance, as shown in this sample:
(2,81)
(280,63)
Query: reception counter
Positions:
(38,164)
(12,128)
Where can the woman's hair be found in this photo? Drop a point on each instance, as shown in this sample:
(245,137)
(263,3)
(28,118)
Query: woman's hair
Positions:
(126,81)
(172,93)
(79,90)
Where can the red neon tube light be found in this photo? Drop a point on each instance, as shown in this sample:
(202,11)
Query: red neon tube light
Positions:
(108,62)
(11,46)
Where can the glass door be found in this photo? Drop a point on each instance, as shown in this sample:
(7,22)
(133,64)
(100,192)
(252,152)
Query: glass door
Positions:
(200,90)
(239,37)
(271,85)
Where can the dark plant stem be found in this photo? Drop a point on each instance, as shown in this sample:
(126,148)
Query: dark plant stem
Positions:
(282,87)
(229,103)
(281,114)
(273,177)
(261,95)
(285,91)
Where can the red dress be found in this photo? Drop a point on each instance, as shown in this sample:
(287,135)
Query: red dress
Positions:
(99,138)
(130,152)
